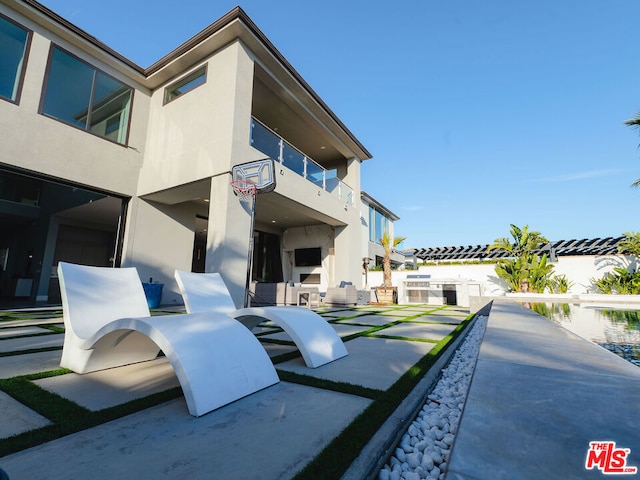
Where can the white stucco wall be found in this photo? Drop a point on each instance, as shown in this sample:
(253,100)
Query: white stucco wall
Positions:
(190,138)
(579,270)
(309,237)
(160,240)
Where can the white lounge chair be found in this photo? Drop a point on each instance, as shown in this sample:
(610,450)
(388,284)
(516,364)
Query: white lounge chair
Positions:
(107,324)
(315,338)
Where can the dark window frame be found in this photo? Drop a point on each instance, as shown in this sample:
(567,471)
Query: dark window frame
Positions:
(25,59)
(167,96)
(45,85)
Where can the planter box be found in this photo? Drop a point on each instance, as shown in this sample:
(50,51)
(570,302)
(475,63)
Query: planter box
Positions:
(387,294)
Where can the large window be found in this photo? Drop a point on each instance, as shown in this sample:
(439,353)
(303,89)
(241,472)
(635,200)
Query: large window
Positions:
(14,43)
(80,95)
(378,225)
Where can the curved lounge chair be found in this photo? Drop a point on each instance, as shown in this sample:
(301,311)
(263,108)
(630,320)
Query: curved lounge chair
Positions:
(108,324)
(317,341)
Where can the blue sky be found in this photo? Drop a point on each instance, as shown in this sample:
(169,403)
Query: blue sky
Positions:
(478,114)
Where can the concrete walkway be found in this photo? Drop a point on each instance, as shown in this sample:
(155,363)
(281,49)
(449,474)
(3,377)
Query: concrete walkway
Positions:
(538,396)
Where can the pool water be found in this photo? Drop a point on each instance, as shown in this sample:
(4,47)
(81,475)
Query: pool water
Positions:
(614,327)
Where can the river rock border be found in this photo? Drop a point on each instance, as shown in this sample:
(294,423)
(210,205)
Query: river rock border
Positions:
(423,451)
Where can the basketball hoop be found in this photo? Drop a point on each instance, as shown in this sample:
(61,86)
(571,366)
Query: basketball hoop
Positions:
(244,190)
(249,179)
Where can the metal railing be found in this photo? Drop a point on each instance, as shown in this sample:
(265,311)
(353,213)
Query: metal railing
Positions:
(277,148)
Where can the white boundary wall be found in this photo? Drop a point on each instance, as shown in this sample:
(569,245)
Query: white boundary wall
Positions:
(578,269)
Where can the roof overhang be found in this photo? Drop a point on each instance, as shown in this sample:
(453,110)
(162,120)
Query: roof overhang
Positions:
(378,206)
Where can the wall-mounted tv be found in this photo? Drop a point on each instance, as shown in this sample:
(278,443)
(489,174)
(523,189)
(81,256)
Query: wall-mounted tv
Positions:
(308,257)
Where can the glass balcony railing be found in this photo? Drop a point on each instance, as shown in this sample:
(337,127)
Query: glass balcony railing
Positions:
(277,148)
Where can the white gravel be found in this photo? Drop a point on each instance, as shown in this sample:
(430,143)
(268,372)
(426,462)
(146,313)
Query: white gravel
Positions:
(424,449)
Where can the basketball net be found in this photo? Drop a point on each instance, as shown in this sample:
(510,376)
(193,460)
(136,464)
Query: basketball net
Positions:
(244,190)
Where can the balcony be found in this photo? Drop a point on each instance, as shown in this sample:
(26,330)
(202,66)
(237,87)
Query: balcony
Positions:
(275,147)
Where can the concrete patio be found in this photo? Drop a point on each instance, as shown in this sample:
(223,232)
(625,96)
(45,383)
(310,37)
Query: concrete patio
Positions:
(273,433)
(538,397)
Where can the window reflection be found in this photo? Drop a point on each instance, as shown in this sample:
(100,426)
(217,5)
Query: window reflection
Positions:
(110,110)
(265,141)
(68,89)
(293,159)
(80,95)
(186,84)
(13,44)
(315,173)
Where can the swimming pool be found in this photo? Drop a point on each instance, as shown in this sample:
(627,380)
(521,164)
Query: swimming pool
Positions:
(615,327)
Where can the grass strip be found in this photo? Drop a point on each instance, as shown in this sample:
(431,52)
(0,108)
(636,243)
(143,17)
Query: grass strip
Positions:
(15,315)
(52,328)
(30,335)
(342,387)
(369,332)
(336,457)
(408,339)
(285,357)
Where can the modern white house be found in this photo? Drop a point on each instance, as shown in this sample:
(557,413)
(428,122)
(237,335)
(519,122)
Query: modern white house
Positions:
(104,162)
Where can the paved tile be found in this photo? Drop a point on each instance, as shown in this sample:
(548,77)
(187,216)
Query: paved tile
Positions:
(391,360)
(31,322)
(27,343)
(25,364)
(16,418)
(19,331)
(373,320)
(270,434)
(403,313)
(346,330)
(342,330)
(434,317)
(425,331)
(107,388)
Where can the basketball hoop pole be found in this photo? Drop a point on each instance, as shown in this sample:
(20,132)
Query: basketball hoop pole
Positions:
(246,191)
(249,179)
(250,253)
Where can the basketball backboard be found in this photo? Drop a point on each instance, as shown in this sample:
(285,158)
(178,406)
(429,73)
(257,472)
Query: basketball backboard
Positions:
(259,172)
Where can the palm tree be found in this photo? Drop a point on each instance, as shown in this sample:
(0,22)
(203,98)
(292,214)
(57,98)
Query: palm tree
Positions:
(524,268)
(630,243)
(635,123)
(524,242)
(389,245)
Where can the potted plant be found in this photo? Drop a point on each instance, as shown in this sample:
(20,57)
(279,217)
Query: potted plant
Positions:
(387,293)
